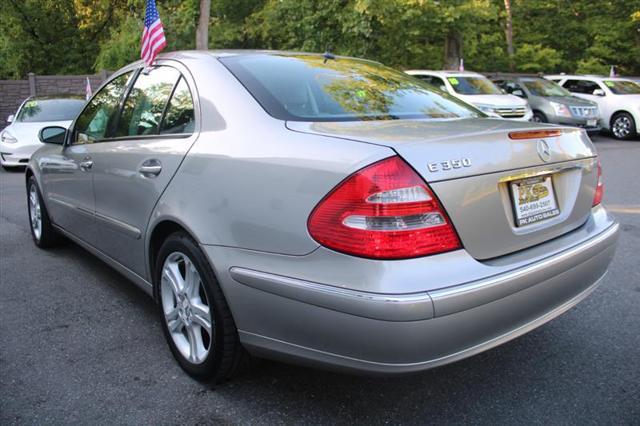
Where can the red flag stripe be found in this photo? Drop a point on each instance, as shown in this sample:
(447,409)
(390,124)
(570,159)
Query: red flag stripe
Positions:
(148,36)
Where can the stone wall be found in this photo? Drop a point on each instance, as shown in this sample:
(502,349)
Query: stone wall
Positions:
(14,92)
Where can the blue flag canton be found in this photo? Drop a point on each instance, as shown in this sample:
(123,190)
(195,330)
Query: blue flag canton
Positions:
(151,15)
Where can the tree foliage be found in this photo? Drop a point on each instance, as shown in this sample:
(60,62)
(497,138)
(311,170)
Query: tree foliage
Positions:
(80,36)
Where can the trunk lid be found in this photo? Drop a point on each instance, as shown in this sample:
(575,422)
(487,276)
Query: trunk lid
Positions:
(471,164)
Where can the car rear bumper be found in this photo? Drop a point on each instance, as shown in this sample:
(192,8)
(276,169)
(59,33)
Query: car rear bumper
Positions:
(299,319)
(580,122)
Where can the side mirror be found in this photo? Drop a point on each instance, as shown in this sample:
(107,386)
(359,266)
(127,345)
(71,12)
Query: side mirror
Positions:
(598,92)
(518,92)
(504,92)
(53,134)
(11,118)
(443,88)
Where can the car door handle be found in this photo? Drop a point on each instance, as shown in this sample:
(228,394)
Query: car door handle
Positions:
(150,168)
(86,165)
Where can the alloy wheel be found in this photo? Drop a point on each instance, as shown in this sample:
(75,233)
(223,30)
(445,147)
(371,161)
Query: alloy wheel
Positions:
(186,309)
(621,127)
(35,212)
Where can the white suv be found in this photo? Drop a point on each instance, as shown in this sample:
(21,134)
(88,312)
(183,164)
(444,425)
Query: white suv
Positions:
(618,100)
(479,91)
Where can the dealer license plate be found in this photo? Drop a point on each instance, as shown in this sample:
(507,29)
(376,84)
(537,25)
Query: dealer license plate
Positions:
(534,200)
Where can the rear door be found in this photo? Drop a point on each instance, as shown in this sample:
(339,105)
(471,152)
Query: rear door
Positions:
(154,131)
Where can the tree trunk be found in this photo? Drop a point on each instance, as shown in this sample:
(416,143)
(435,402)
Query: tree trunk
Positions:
(509,33)
(202,32)
(452,50)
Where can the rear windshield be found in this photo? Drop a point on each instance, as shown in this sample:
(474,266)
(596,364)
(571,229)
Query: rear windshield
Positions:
(473,86)
(623,87)
(35,110)
(544,88)
(310,88)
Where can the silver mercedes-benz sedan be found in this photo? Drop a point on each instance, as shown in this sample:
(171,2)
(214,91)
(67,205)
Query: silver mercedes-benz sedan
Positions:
(322,210)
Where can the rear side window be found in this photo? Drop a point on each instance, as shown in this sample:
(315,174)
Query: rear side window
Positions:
(581,86)
(432,80)
(509,86)
(180,117)
(143,109)
(93,122)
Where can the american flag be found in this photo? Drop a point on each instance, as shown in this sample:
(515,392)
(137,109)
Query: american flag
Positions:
(153,40)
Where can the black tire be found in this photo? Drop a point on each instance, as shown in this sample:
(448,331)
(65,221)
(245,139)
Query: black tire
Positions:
(48,237)
(539,117)
(226,355)
(623,126)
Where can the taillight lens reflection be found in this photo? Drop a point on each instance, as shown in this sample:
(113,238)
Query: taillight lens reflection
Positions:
(384,211)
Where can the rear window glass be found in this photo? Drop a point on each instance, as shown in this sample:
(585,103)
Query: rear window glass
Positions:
(36,110)
(310,88)
(473,86)
(544,88)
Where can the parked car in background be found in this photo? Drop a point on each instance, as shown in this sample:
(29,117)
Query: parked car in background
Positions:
(478,91)
(19,140)
(323,210)
(550,102)
(618,100)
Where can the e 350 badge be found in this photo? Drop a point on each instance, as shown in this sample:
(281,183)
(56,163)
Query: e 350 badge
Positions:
(449,165)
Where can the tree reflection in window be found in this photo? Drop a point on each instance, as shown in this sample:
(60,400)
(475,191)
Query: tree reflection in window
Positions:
(313,88)
(179,117)
(143,108)
(93,123)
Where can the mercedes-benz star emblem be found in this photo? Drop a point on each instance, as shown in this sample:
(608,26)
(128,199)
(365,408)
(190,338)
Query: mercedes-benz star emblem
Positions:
(544,151)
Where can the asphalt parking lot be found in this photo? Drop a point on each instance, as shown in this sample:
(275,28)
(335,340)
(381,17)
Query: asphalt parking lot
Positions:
(79,344)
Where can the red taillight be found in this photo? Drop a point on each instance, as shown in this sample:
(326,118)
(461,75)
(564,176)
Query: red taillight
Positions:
(597,198)
(384,211)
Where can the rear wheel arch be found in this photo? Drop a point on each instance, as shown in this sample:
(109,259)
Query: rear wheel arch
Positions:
(616,113)
(159,234)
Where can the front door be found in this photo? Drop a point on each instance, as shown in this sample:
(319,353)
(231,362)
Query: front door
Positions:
(134,165)
(70,195)
(70,173)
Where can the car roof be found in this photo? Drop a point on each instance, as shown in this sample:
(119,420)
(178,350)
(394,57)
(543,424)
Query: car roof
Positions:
(587,77)
(187,56)
(509,76)
(450,73)
(222,53)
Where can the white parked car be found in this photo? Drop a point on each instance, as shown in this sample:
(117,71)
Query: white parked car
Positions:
(19,140)
(479,91)
(618,100)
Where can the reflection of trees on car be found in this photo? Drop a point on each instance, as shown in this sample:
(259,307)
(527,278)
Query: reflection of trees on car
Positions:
(367,90)
(30,109)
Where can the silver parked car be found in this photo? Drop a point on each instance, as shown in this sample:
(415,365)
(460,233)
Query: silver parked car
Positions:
(551,103)
(322,210)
